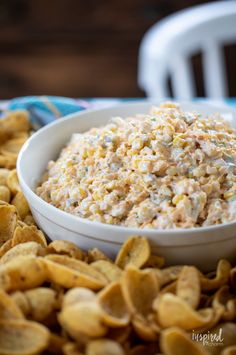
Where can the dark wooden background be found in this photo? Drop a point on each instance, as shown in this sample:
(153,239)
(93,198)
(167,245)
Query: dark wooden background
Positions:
(80,48)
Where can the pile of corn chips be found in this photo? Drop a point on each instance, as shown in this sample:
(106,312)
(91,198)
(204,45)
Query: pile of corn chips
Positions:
(14,131)
(58,299)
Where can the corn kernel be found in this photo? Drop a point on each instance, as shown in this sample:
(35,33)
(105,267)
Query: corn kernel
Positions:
(177,198)
(82,192)
(228,194)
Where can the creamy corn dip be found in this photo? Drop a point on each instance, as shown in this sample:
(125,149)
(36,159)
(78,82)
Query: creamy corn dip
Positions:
(165,169)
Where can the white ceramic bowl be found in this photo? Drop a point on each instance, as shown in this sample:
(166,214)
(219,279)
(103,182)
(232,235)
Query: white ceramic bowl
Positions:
(200,246)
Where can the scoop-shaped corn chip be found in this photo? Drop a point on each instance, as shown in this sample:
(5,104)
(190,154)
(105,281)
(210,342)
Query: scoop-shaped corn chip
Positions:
(22,273)
(5,247)
(8,307)
(13,182)
(111,271)
(95,254)
(21,204)
(22,302)
(69,272)
(8,219)
(115,311)
(83,319)
(77,295)
(221,278)
(19,336)
(5,194)
(42,302)
(139,288)
(3,176)
(188,286)
(28,234)
(173,311)
(104,347)
(12,146)
(135,251)
(174,341)
(146,329)
(155,261)
(29,248)
(64,247)
(16,121)
(230,350)
(8,161)
(224,299)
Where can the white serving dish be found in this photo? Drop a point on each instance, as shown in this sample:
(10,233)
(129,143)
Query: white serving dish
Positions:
(199,246)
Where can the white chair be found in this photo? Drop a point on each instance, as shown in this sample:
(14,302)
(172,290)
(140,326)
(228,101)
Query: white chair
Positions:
(166,49)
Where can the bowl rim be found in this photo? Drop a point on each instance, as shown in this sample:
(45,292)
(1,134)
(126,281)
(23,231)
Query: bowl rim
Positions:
(100,225)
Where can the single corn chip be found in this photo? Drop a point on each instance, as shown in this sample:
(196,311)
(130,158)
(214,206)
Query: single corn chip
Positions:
(22,273)
(225,300)
(83,319)
(112,302)
(22,337)
(69,272)
(42,302)
(29,248)
(135,251)
(22,302)
(188,286)
(21,204)
(64,247)
(8,307)
(111,271)
(12,146)
(16,121)
(77,295)
(8,219)
(5,194)
(174,341)
(3,176)
(139,288)
(8,161)
(96,255)
(173,311)
(221,278)
(13,182)
(28,234)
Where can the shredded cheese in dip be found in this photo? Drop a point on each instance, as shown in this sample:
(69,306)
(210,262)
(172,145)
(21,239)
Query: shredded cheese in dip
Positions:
(165,169)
